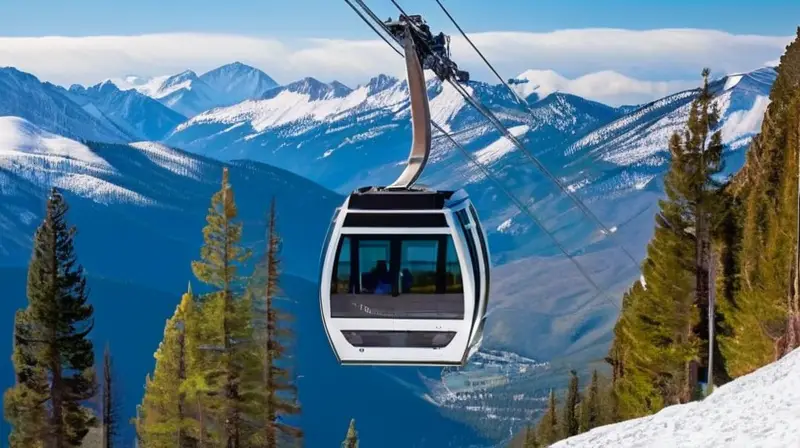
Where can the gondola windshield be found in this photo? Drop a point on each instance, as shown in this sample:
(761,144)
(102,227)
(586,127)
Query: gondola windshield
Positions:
(397,276)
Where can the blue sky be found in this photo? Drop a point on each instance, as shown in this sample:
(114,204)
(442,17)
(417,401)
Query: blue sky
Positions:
(334,19)
(609,50)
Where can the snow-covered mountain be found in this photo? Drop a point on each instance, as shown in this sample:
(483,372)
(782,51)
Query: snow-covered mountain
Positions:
(138,114)
(144,189)
(237,82)
(46,105)
(760,409)
(189,94)
(323,131)
(185,93)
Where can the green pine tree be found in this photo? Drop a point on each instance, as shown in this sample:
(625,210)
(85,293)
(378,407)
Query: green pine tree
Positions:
(659,350)
(280,399)
(231,365)
(351,439)
(530,438)
(165,418)
(53,355)
(570,419)
(275,336)
(24,404)
(548,426)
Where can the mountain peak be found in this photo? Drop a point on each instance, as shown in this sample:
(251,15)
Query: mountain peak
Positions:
(236,66)
(18,74)
(340,89)
(186,75)
(314,88)
(380,83)
(107,86)
(237,82)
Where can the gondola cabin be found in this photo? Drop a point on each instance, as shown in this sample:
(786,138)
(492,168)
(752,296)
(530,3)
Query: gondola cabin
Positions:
(405,278)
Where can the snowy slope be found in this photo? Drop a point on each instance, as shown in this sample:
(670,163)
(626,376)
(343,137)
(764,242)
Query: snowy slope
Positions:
(146,189)
(638,138)
(138,114)
(761,409)
(185,93)
(41,103)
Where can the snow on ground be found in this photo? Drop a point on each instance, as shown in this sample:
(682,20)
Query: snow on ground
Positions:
(500,147)
(732,81)
(761,409)
(99,190)
(146,86)
(169,159)
(446,105)
(293,107)
(43,158)
(20,139)
(745,122)
(286,107)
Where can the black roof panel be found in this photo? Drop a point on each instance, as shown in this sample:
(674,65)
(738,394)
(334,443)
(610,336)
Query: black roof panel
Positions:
(378,198)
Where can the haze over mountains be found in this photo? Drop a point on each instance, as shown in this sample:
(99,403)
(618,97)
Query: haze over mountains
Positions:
(111,147)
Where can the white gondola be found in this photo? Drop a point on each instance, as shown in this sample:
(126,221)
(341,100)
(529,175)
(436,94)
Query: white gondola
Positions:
(405,270)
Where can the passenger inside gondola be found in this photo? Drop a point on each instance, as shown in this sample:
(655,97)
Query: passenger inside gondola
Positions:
(383,283)
(365,287)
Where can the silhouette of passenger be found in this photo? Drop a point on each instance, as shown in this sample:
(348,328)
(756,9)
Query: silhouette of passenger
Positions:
(384,284)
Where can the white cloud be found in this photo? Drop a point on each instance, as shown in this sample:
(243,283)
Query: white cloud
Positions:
(606,86)
(666,54)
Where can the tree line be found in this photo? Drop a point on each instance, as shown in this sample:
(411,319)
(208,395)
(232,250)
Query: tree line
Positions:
(720,276)
(223,374)
(577,413)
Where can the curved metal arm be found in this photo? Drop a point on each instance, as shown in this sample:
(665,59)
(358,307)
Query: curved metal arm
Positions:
(420,118)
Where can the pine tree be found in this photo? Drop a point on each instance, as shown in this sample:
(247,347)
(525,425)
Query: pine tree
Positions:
(165,419)
(570,419)
(231,367)
(530,438)
(280,392)
(109,407)
(661,338)
(548,426)
(53,356)
(593,403)
(24,404)
(351,439)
